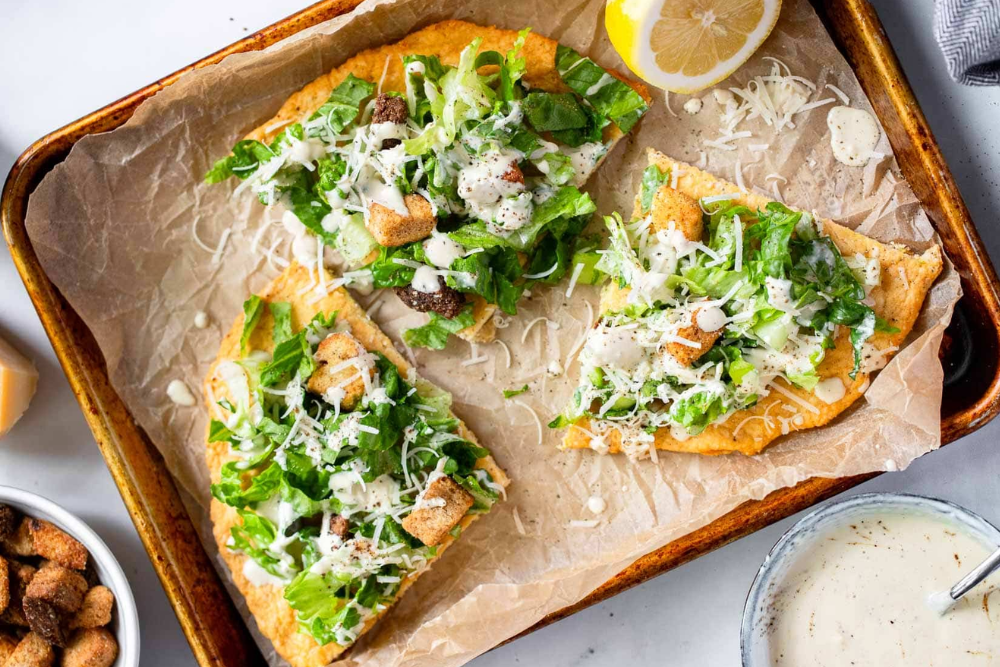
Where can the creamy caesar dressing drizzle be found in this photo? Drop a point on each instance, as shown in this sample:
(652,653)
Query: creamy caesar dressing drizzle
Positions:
(854,133)
(179,393)
(585,159)
(441,250)
(857,596)
(425,279)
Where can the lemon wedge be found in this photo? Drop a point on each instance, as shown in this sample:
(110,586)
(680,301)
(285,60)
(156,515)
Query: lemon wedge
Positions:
(688,45)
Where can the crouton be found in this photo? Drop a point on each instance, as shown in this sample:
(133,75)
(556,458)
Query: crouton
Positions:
(670,205)
(4,587)
(55,545)
(94,647)
(20,577)
(442,505)
(32,651)
(95,612)
(513,174)
(7,645)
(338,526)
(389,109)
(9,518)
(334,378)
(45,620)
(391,229)
(685,354)
(61,587)
(446,302)
(20,543)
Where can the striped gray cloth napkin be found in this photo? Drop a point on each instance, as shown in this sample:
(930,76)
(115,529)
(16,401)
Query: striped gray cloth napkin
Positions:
(968,32)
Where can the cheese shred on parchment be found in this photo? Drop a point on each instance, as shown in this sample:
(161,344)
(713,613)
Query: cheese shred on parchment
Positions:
(505,349)
(517,522)
(532,323)
(538,422)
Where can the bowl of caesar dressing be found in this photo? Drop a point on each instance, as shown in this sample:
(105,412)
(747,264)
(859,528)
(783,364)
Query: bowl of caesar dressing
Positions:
(848,585)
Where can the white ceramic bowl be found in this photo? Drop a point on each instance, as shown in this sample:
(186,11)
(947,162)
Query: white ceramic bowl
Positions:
(125,621)
(756,612)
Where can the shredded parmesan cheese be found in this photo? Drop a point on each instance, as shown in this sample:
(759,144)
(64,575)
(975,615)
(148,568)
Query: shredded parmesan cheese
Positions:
(527,329)
(505,349)
(839,93)
(543,274)
(517,522)
(902,276)
(538,422)
(666,101)
(577,270)
(807,405)
(738,168)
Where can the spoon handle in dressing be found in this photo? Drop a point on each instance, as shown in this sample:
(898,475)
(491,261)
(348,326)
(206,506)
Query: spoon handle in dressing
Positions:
(970,580)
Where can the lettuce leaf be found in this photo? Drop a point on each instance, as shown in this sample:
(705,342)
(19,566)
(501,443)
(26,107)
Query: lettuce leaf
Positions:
(253,308)
(342,107)
(606,94)
(281,312)
(652,180)
(246,157)
(435,333)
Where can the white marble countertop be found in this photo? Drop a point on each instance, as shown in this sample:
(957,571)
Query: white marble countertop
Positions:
(60,59)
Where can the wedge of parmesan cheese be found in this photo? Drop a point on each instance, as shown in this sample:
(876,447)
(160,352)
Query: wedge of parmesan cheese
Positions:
(18,379)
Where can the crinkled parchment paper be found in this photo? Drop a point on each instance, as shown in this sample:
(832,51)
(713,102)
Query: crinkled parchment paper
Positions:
(113,227)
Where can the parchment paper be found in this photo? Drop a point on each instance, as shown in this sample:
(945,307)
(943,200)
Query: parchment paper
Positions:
(113,223)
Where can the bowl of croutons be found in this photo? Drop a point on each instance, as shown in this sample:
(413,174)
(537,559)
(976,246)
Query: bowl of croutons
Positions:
(64,600)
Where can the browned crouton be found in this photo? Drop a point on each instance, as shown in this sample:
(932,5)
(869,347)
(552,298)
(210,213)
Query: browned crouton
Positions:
(20,543)
(513,174)
(32,651)
(431,520)
(20,577)
(94,647)
(332,373)
(446,302)
(9,518)
(96,609)
(61,587)
(687,354)
(55,545)
(338,526)
(7,645)
(45,620)
(389,109)
(391,229)
(669,205)
(4,587)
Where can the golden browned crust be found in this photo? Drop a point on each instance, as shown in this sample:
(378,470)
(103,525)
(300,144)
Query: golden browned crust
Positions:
(275,618)
(673,206)
(446,41)
(906,279)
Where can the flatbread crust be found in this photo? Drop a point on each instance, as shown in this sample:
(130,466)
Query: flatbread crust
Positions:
(906,278)
(446,41)
(275,618)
